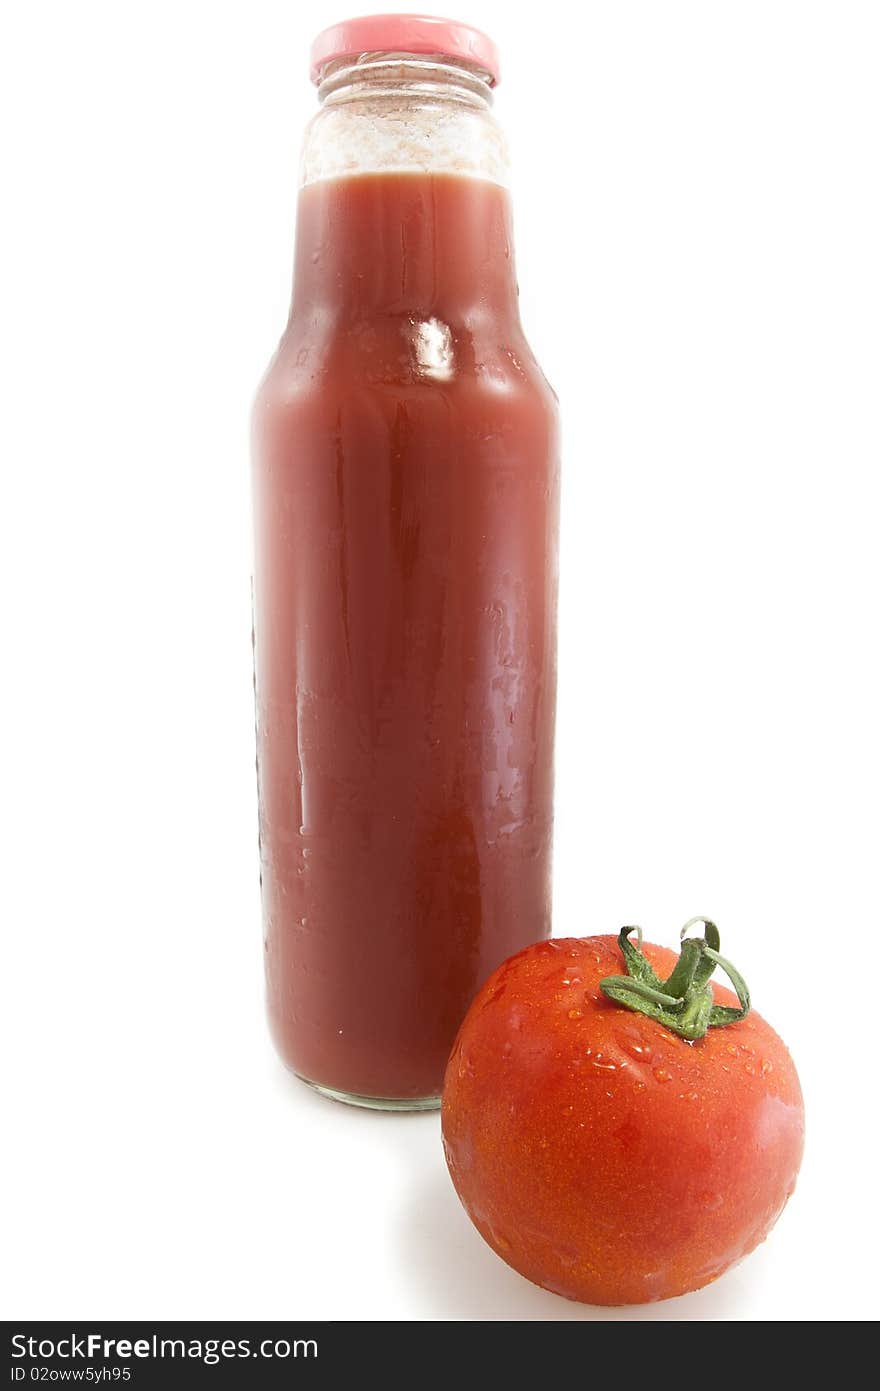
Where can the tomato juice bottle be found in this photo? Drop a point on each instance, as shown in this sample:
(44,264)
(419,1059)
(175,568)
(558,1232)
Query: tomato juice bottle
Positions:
(405,482)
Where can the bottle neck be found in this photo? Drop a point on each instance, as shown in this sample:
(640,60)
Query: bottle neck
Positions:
(403,208)
(424,245)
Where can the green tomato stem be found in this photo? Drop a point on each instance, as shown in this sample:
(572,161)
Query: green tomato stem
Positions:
(683,1002)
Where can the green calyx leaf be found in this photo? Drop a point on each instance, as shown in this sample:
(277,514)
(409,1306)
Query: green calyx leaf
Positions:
(684,1002)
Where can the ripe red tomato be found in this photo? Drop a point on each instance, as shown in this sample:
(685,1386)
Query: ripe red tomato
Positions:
(602,1155)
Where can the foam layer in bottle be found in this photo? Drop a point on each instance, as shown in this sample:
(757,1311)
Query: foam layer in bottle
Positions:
(393,125)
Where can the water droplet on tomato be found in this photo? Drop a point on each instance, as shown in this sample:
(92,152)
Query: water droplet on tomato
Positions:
(751,1069)
(600,1060)
(567,1110)
(575,1014)
(661,1075)
(766,1067)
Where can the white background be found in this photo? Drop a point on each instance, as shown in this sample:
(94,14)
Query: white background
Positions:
(699,241)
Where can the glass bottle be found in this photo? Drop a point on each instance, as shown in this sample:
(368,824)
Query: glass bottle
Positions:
(405,482)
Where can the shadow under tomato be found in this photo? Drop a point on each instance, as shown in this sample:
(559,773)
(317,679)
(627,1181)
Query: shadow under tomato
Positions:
(462,1278)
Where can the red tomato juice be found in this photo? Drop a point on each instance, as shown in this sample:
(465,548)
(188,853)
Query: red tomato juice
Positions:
(406,497)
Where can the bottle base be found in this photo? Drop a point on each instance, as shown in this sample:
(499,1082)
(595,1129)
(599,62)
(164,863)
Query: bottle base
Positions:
(374,1103)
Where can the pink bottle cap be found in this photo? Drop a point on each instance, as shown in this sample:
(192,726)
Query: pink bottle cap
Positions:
(404,33)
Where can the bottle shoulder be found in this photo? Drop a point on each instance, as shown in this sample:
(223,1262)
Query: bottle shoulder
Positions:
(474,356)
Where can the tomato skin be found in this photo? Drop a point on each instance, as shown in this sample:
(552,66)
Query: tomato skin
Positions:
(602,1156)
